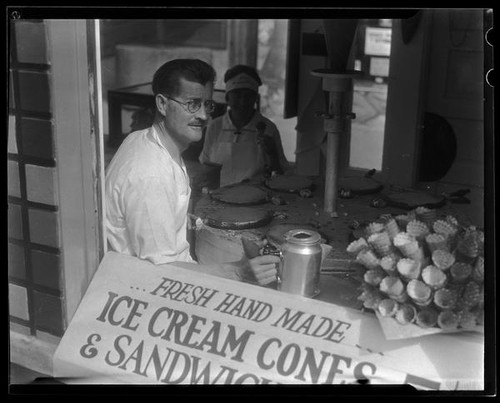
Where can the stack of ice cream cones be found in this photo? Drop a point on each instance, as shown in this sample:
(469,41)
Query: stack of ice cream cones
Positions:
(392,227)
(426,215)
(423,269)
(417,229)
(436,241)
(381,242)
(374,228)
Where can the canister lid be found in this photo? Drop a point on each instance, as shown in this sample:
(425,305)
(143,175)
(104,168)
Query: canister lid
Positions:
(302,236)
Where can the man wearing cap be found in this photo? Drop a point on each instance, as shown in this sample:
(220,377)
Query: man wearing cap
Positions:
(243,141)
(147,186)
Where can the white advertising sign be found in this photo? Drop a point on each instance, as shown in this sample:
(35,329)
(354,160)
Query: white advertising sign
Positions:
(141,323)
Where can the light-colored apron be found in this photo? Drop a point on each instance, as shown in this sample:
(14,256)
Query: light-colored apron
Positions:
(244,162)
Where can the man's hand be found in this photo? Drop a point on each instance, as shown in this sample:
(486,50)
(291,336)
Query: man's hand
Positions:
(263,269)
(254,268)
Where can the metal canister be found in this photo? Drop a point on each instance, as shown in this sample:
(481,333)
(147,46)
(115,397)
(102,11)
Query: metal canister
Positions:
(301,263)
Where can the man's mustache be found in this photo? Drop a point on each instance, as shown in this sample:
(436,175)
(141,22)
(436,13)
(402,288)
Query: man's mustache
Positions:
(199,122)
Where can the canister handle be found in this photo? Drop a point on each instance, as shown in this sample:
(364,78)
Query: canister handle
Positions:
(276,251)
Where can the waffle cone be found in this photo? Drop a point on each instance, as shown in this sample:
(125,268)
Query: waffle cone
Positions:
(478,272)
(388,307)
(452,221)
(467,319)
(448,230)
(445,299)
(472,294)
(388,264)
(417,229)
(405,243)
(381,242)
(368,258)
(370,297)
(434,277)
(408,249)
(401,298)
(444,227)
(374,276)
(406,314)
(408,268)
(357,246)
(392,227)
(419,256)
(374,228)
(403,238)
(469,246)
(480,239)
(424,304)
(427,318)
(426,215)
(460,272)
(419,292)
(436,241)
(392,286)
(447,320)
(402,220)
(442,259)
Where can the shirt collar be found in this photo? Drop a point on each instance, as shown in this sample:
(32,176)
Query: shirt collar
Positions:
(155,137)
(249,127)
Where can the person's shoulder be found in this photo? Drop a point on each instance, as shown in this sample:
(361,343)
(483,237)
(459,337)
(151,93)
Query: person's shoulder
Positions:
(269,123)
(136,145)
(215,125)
(216,121)
(134,139)
(138,156)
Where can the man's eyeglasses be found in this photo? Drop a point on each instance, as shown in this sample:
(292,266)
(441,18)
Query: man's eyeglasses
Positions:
(194,105)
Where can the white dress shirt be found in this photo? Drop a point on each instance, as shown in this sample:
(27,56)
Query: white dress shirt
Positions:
(147,198)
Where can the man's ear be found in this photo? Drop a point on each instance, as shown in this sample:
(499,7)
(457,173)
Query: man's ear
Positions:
(161,104)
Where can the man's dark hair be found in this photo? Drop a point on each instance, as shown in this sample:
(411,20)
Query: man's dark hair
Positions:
(167,77)
(241,68)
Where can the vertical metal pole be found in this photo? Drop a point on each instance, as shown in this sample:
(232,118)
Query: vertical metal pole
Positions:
(331,178)
(339,87)
(336,110)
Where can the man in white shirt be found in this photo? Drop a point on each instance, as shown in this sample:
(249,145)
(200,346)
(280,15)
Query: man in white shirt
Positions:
(147,186)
